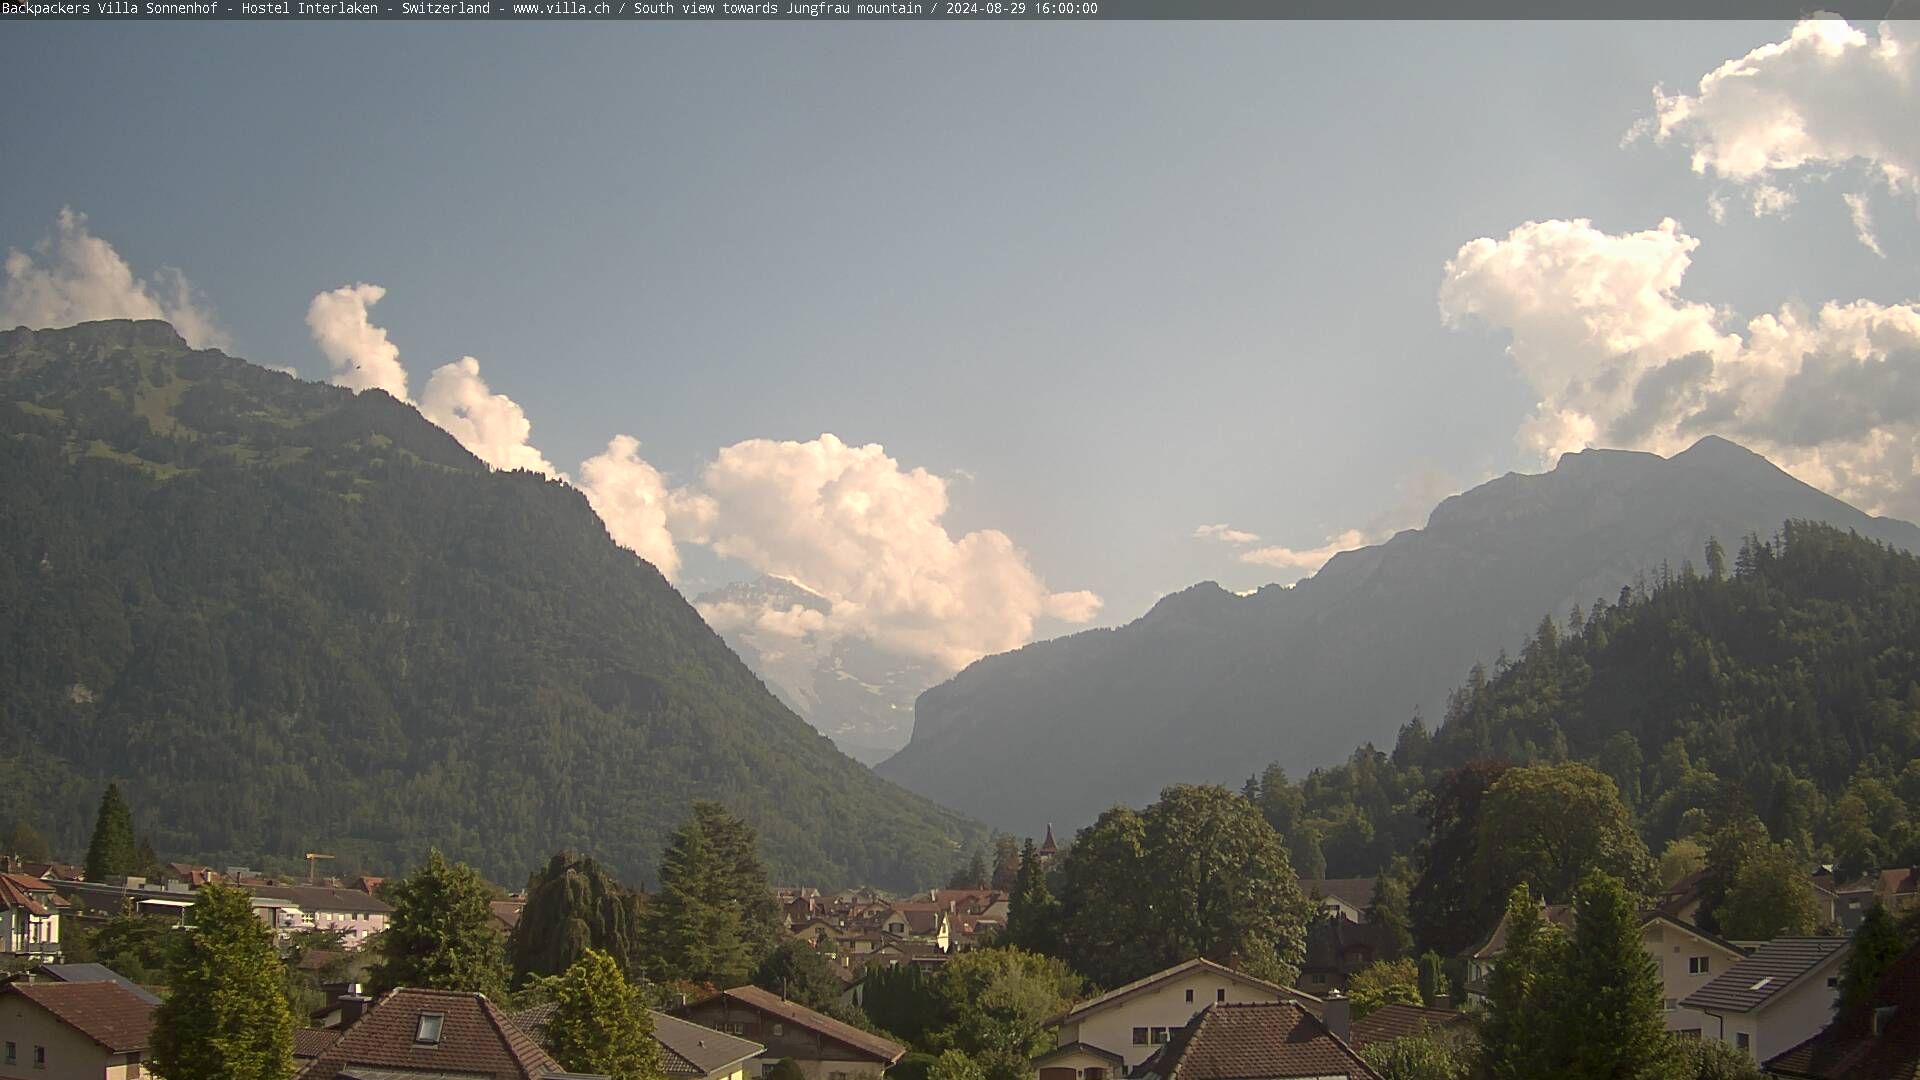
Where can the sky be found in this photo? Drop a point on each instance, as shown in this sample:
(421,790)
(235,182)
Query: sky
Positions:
(989,332)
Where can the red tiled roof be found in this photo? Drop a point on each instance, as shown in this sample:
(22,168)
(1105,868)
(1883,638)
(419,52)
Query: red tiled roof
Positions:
(774,1005)
(312,1042)
(15,895)
(475,1037)
(1397,1021)
(105,1012)
(1270,1040)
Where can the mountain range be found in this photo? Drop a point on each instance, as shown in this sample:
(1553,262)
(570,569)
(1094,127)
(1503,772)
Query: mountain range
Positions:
(1211,686)
(286,617)
(856,694)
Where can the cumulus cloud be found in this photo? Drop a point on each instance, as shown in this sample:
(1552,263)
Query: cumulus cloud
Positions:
(1600,331)
(1306,560)
(492,426)
(360,353)
(1826,97)
(73,276)
(632,498)
(1225,534)
(854,526)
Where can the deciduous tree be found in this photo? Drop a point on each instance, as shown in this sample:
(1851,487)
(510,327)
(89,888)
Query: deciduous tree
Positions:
(441,935)
(600,1022)
(226,1017)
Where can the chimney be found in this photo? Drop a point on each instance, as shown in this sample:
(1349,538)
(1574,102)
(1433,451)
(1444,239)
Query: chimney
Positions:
(1338,1015)
(352,1008)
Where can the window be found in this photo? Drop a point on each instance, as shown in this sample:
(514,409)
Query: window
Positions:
(1742,1040)
(1697,965)
(1833,981)
(779,1029)
(13,1052)
(1670,1004)
(1220,994)
(1189,994)
(1159,1035)
(428,1033)
(1139,1039)
(39,1057)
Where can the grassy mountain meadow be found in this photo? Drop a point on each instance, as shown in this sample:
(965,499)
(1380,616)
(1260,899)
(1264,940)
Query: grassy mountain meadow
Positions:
(289,618)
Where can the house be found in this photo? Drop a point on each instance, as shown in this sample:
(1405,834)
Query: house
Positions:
(1273,1040)
(1687,958)
(1337,946)
(1774,999)
(30,912)
(1869,1040)
(1349,896)
(1398,1021)
(1132,1022)
(431,1033)
(72,1031)
(922,921)
(824,1048)
(354,914)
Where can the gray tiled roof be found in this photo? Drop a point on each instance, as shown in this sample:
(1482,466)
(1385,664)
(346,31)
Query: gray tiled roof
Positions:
(692,1050)
(1751,983)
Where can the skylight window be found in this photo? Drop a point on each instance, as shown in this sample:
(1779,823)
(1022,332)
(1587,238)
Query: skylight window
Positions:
(1762,984)
(428,1033)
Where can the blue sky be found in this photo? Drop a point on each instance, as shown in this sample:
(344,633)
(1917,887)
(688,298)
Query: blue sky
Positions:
(1113,282)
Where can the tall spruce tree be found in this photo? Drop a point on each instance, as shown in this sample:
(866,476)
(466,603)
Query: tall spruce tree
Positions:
(1607,1013)
(574,905)
(1514,1031)
(1032,914)
(1006,863)
(111,852)
(226,1017)
(600,1022)
(714,919)
(441,935)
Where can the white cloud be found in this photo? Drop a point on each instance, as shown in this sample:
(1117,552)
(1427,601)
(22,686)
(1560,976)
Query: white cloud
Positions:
(1618,357)
(360,353)
(491,426)
(632,498)
(1225,534)
(73,276)
(1306,560)
(1862,217)
(1827,96)
(849,523)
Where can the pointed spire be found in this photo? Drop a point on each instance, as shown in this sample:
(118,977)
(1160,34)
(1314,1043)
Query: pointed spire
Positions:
(1048,847)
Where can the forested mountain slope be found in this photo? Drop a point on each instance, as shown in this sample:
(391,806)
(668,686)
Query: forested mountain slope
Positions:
(288,618)
(1790,674)
(1209,684)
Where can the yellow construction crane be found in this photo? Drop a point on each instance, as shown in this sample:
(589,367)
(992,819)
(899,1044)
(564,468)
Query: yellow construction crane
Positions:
(313,860)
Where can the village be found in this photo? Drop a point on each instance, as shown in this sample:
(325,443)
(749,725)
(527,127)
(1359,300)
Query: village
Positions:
(1359,1006)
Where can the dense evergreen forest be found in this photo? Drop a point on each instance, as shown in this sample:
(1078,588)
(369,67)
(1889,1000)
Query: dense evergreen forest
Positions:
(288,618)
(1785,676)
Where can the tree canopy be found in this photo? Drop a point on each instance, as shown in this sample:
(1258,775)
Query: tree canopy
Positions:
(600,1022)
(225,1018)
(441,935)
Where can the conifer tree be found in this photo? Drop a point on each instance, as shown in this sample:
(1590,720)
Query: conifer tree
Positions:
(1607,1013)
(1514,1031)
(441,935)
(110,853)
(1032,914)
(714,918)
(226,1017)
(1876,945)
(600,1022)
(1006,863)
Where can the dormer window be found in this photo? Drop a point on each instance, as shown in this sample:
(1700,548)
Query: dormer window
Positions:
(428,1033)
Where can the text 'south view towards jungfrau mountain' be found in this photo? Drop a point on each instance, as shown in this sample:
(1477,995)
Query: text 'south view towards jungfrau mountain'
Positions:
(1130,540)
